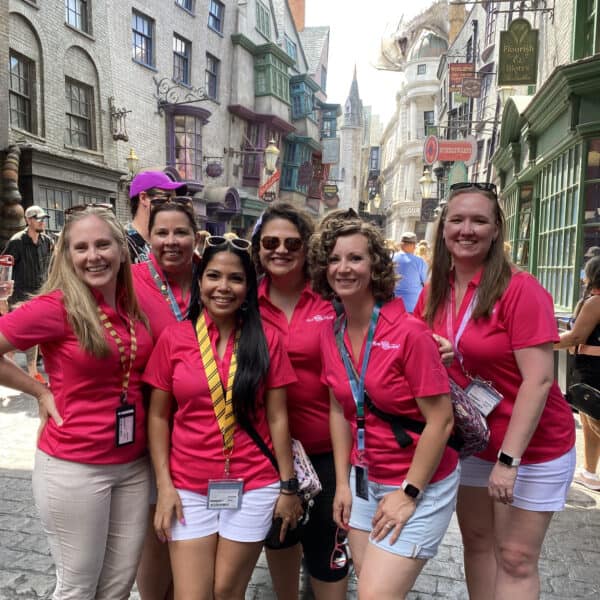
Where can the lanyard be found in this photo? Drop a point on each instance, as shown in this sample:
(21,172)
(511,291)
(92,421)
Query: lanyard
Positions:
(221,399)
(461,328)
(357,384)
(165,289)
(121,348)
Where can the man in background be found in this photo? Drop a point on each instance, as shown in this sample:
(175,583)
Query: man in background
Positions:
(411,269)
(144,188)
(31,249)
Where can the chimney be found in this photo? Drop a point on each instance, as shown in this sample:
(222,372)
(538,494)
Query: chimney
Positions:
(297,7)
(456,16)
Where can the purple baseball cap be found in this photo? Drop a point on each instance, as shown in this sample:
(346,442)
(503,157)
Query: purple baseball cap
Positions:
(152,179)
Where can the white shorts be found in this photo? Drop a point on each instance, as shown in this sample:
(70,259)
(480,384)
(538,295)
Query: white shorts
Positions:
(250,523)
(539,487)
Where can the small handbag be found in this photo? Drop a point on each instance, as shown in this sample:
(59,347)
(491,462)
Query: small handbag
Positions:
(585,399)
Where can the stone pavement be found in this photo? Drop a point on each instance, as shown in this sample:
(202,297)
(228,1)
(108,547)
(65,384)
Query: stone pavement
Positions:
(570,563)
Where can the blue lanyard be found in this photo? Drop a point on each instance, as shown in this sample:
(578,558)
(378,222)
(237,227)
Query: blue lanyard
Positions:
(357,385)
(165,289)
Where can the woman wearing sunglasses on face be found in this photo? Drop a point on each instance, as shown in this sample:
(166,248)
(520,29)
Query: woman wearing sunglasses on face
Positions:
(91,476)
(220,372)
(163,287)
(502,325)
(398,501)
(288,303)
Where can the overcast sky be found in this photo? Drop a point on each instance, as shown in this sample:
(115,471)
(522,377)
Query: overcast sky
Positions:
(357,27)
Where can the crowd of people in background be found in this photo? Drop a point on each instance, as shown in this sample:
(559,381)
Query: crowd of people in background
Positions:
(181,366)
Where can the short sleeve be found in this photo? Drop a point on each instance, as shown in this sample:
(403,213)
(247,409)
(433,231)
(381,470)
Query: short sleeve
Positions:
(158,372)
(420,305)
(281,372)
(13,248)
(528,313)
(38,321)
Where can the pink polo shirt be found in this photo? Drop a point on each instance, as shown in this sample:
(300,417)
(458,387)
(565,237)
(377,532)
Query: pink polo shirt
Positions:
(308,398)
(196,441)
(151,299)
(523,317)
(404,364)
(86,389)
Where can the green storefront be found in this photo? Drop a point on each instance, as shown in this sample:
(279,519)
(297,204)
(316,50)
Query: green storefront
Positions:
(548,163)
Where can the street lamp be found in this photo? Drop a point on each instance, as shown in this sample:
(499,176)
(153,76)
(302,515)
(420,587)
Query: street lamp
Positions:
(428,200)
(426,184)
(132,163)
(377,201)
(271,155)
(506,91)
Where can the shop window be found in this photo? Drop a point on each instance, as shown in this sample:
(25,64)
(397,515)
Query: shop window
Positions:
(558,185)
(271,77)
(263,19)
(142,30)
(76,14)
(182,51)
(258,136)
(21,92)
(55,201)
(79,114)
(328,124)
(184,140)
(216,11)
(211,76)
(295,154)
(302,100)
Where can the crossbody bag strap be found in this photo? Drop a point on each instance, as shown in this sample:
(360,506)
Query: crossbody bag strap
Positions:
(247,426)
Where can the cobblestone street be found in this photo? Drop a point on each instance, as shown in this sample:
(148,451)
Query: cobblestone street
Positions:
(570,564)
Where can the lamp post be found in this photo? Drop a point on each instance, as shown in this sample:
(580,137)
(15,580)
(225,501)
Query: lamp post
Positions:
(132,163)
(271,155)
(428,200)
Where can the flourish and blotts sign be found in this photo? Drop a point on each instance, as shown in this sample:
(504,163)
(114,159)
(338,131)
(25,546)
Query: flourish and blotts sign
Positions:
(518,57)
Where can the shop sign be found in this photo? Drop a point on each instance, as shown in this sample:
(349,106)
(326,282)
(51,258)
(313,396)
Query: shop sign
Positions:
(330,189)
(305,173)
(435,149)
(471,87)
(330,148)
(329,195)
(518,56)
(457,72)
(269,183)
(428,206)
(214,169)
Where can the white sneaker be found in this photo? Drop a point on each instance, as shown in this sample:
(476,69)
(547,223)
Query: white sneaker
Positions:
(591,483)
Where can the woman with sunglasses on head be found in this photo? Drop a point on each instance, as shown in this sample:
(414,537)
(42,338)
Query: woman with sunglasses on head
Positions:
(288,303)
(398,497)
(163,286)
(91,476)
(221,375)
(502,325)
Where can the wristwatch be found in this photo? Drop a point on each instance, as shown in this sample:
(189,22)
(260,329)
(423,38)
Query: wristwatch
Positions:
(290,486)
(508,460)
(411,490)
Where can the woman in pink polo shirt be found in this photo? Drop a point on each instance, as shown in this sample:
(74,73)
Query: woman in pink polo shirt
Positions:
(91,477)
(163,286)
(288,303)
(502,325)
(222,377)
(380,360)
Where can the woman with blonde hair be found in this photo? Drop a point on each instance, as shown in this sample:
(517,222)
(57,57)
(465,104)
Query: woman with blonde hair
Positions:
(91,478)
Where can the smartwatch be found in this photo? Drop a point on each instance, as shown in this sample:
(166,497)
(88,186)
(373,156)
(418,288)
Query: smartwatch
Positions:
(508,460)
(290,486)
(411,490)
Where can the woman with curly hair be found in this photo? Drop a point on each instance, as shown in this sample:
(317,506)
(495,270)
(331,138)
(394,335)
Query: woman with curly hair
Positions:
(395,489)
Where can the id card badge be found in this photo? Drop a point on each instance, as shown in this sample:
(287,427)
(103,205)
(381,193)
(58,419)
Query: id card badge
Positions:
(125,425)
(225,494)
(484,396)
(362,481)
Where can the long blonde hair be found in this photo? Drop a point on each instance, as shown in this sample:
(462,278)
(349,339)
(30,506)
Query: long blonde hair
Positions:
(79,302)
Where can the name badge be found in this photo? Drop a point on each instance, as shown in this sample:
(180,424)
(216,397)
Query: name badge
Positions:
(484,396)
(125,425)
(362,482)
(225,494)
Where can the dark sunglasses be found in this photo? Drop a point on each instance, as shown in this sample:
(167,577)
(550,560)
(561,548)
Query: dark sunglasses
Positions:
(272,242)
(466,185)
(81,207)
(216,241)
(339,556)
(157,201)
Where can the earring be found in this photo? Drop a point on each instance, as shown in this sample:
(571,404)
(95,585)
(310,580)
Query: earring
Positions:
(244,306)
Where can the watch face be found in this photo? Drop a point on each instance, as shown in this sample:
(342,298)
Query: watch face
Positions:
(411,490)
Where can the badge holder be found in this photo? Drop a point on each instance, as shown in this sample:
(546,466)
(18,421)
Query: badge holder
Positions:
(226,493)
(125,423)
(361,470)
(483,395)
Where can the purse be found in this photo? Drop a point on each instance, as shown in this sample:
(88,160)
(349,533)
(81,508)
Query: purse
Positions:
(585,399)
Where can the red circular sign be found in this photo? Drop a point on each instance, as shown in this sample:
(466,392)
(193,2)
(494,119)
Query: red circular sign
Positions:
(431,149)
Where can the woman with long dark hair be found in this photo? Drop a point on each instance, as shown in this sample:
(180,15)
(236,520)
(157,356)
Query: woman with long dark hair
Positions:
(220,374)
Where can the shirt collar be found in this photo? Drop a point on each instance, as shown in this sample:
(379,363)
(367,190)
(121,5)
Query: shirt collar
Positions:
(474,281)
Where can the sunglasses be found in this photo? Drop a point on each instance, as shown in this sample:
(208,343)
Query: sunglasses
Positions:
(217,241)
(157,201)
(81,207)
(272,242)
(467,185)
(339,556)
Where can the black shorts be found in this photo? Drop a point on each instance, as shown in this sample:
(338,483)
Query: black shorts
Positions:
(318,536)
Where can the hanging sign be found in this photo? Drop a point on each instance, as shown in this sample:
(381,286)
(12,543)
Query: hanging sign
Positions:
(305,173)
(518,56)
(329,195)
(435,149)
(269,183)
(471,87)
(457,72)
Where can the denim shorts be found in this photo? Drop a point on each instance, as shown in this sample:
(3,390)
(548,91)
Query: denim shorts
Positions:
(423,532)
(539,487)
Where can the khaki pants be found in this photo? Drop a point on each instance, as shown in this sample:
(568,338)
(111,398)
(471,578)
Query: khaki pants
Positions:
(95,517)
